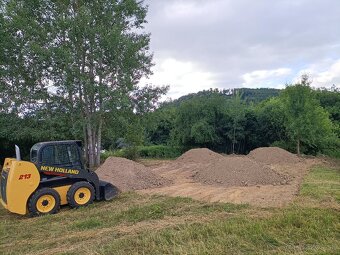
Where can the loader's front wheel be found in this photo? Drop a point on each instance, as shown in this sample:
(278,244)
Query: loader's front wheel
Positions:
(80,194)
(44,201)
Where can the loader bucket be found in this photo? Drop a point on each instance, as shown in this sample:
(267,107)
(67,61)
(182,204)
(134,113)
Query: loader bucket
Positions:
(107,190)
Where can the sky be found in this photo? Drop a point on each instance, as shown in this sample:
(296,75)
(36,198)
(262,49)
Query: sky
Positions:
(202,44)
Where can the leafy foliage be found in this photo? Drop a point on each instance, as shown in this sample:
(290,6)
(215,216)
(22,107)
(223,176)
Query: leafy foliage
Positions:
(83,59)
(220,122)
(306,121)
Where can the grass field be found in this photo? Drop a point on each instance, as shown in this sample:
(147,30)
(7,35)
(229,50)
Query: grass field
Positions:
(138,224)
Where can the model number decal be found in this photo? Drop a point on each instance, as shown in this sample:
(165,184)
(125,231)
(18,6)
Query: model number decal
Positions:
(24,176)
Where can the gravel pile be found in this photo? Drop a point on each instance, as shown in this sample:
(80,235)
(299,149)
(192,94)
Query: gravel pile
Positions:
(202,155)
(273,155)
(129,175)
(238,171)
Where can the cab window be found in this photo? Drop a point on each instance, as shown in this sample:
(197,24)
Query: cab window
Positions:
(61,154)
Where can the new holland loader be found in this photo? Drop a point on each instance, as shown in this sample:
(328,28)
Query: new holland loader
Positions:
(54,176)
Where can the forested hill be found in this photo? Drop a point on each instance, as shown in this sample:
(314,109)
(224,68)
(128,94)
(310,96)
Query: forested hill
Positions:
(246,94)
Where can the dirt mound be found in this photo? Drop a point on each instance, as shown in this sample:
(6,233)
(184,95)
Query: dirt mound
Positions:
(273,155)
(129,175)
(238,171)
(202,155)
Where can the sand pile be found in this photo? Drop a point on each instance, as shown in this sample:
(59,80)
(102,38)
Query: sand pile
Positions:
(129,175)
(273,155)
(238,171)
(202,155)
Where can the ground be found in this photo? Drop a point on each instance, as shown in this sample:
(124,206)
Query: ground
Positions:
(259,195)
(136,223)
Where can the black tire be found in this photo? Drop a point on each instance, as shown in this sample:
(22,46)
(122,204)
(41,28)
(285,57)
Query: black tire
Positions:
(41,202)
(76,198)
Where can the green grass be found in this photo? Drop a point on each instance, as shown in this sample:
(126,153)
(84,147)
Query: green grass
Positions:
(291,231)
(322,184)
(140,224)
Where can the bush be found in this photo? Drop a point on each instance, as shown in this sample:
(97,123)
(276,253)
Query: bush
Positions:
(332,148)
(131,152)
(160,151)
(286,145)
(107,154)
(153,151)
(128,152)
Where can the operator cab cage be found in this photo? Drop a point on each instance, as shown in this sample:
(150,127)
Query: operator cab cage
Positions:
(67,154)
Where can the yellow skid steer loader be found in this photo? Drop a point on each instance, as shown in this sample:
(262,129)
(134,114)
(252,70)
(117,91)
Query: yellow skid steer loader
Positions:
(54,176)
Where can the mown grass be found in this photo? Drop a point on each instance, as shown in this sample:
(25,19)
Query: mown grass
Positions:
(322,183)
(140,224)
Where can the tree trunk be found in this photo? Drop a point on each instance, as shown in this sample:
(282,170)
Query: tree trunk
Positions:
(90,146)
(86,155)
(99,142)
(234,141)
(298,147)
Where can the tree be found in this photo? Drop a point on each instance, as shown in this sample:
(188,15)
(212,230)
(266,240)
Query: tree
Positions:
(200,122)
(306,121)
(271,121)
(85,57)
(236,110)
(330,101)
(158,125)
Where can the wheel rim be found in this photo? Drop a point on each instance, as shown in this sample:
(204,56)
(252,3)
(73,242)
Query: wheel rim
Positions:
(82,195)
(45,203)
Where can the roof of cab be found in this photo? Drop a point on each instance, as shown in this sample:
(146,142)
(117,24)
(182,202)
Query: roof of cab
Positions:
(78,142)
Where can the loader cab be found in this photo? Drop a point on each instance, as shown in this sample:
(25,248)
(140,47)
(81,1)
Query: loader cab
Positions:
(64,154)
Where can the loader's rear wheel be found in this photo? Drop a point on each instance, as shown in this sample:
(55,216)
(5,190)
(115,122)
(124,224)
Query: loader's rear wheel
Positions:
(44,201)
(80,194)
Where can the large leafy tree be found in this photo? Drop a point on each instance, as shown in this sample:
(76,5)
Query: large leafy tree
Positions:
(81,57)
(271,120)
(201,122)
(306,121)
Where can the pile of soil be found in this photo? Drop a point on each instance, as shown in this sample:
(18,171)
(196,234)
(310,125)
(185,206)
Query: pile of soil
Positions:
(273,155)
(238,171)
(129,175)
(202,155)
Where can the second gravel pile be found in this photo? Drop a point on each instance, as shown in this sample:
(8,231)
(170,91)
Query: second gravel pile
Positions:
(213,168)
(129,175)
(273,155)
(197,156)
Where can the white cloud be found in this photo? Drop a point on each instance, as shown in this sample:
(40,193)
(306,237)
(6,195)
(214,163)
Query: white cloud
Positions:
(183,77)
(323,74)
(193,9)
(265,78)
(242,43)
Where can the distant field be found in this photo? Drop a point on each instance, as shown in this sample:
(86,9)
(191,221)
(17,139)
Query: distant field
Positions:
(142,224)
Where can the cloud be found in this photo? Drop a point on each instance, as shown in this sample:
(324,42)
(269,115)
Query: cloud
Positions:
(183,77)
(323,74)
(180,10)
(265,78)
(244,43)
